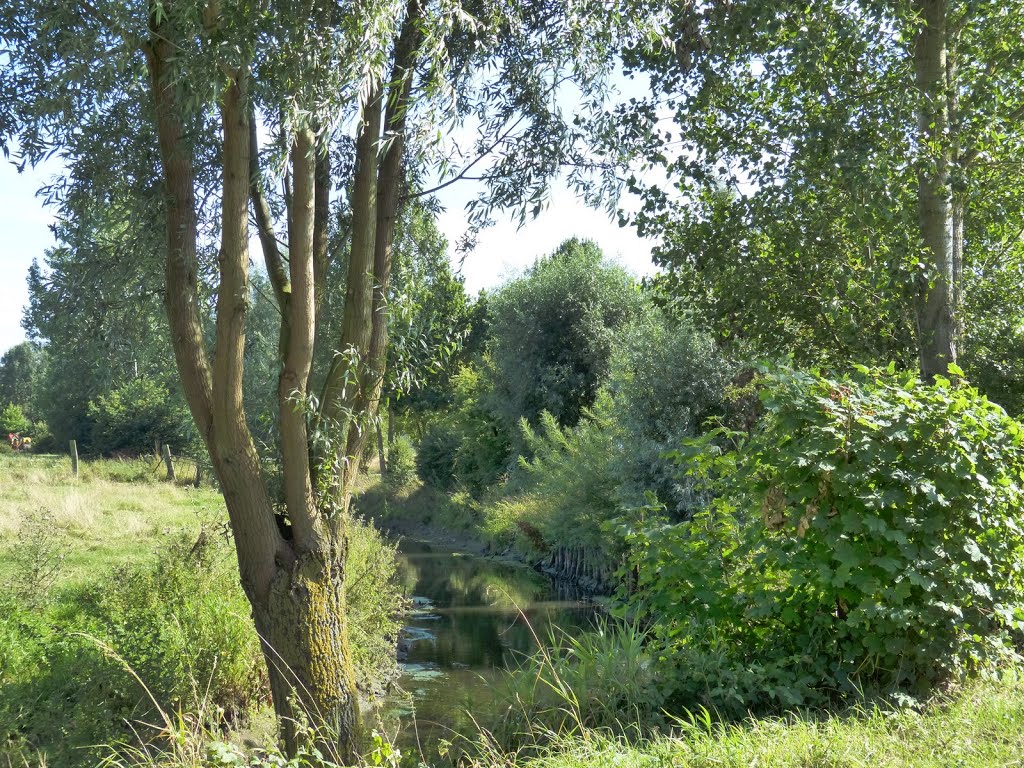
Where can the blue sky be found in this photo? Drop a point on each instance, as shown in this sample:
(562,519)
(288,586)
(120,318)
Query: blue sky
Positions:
(502,250)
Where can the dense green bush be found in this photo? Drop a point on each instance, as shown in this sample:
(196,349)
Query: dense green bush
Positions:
(566,491)
(182,625)
(13,419)
(133,416)
(374,600)
(553,331)
(42,440)
(667,380)
(437,456)
(401,461)
(866,537)
(72,666)
(473,437)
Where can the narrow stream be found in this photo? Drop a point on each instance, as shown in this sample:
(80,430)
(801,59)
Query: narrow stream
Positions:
(472,619)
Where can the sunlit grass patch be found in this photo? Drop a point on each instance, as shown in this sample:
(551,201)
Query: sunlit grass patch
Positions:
(978,726)
(104,521)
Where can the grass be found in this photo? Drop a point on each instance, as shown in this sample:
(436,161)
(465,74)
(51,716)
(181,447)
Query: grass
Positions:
(123,513)
(978,726)
(104,517)
(111,601)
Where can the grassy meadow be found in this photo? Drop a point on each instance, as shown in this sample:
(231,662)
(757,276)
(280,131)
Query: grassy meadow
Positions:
(120,602)
(116,513)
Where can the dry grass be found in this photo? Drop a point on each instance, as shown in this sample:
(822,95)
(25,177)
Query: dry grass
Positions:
(105,517)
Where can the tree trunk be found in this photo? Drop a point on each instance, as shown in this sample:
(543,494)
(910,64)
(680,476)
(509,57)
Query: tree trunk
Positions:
(936,306)
(388,199)
(340,411)
(303,629)
(292,575)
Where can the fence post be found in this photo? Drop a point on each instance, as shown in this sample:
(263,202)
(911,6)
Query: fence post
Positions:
(74,458)
(168,462)
(199,474)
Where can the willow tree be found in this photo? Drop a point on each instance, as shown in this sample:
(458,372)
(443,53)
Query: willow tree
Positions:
(190,82)
(844,172)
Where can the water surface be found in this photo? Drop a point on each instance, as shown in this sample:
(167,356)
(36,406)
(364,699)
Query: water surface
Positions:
(472,619)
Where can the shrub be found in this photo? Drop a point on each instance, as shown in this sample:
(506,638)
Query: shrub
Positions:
(436,457)
(667,379)
(36,556)
(401,461)
(374,601)
(182,625)
(553,330)
(570,486)
(42,440)
(13,419)
(865,538)
(133,416)
(606,678)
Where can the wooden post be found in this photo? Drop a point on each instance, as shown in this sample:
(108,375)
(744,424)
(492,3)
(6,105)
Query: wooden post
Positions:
(168,462)
(199,475)
(74,459)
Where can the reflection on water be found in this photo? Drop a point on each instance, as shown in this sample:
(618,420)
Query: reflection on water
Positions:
(471,619)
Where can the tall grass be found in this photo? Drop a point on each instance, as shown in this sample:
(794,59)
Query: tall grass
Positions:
(605,679)
(975,727)
(125,582)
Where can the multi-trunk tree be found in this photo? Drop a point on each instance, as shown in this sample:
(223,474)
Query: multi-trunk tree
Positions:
(190,83)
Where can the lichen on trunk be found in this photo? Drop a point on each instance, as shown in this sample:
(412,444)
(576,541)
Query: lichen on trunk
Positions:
(305,642)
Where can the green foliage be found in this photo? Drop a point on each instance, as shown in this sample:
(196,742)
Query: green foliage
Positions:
(130,418)
(484,439)
(865,538)
(35,557)
(605,679)
(20,370)
(437,457)
(42,439)
(553,330)
(568,487)
(374,600)
(180,624)
(13,419)
(667,380)
(430,317)
(401,461)
(72,664)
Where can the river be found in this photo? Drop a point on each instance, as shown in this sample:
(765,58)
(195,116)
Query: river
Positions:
(472,619)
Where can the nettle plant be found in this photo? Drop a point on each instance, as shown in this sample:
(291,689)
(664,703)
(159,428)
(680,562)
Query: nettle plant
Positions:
(865,536)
